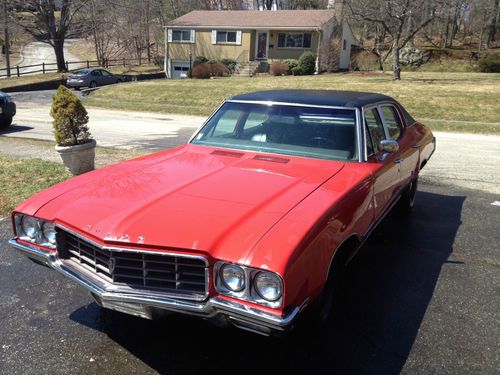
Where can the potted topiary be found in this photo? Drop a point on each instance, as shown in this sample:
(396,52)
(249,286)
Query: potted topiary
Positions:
(73,139)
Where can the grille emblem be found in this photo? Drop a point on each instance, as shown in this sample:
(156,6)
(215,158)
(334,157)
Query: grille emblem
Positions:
(111,265)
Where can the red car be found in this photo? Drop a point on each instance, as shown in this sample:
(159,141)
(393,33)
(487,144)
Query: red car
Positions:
(251,223)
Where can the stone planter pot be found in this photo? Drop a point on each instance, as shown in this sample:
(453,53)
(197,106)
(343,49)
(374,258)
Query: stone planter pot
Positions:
(78,159)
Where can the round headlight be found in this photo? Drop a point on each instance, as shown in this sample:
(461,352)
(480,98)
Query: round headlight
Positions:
(233,277)
(49,233)
(268,286)
(29,226)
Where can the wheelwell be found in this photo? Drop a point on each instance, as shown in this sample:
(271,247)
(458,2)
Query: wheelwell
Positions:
(343,253)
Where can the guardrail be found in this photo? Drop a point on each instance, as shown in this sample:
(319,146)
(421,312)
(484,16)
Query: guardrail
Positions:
(18,70)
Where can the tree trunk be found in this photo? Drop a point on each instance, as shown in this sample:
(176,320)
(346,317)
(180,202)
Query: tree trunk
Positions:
(59,51)
(493,25)
(396,72)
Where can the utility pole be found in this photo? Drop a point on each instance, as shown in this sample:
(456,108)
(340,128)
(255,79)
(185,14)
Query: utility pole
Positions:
(6,37)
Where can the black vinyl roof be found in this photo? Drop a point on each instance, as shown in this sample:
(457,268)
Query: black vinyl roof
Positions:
(316,97)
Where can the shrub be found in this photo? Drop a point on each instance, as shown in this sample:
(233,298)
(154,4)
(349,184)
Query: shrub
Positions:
(279,69)
(70,118)
(489,64)
(230,64)
(158,60)
(292,63)
(297,71)
(199,60)
(307,63)
(207,70)
(219,70)
(201,70)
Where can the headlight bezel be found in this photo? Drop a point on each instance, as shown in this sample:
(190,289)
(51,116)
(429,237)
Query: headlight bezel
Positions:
(39,237)
(249,292)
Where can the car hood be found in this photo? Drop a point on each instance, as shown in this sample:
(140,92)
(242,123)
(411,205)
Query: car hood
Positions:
(210,200)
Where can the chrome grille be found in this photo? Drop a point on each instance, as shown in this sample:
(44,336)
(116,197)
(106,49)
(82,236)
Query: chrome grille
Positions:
(165,273)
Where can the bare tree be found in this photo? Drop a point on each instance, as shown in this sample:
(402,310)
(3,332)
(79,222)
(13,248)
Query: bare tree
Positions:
(45,26)
(401,20)
(493,25)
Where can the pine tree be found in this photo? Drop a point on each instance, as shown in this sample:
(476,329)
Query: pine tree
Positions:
(70,118)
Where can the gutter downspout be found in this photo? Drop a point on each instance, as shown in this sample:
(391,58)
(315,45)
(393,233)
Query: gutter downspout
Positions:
(166,64)
(320,32)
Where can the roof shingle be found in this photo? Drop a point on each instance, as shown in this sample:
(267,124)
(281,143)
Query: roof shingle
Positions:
(282,19)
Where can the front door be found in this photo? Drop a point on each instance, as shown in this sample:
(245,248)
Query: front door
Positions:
(262,45)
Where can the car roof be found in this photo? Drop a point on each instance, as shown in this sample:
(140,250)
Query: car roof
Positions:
(316,97)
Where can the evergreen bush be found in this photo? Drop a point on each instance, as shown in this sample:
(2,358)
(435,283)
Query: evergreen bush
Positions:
(307,63)
(70,118)
(489,64)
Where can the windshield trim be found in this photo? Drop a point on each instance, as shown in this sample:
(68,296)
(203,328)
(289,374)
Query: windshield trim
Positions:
(359,138)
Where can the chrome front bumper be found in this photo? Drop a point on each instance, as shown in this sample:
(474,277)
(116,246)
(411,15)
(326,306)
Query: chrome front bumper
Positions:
(145,305)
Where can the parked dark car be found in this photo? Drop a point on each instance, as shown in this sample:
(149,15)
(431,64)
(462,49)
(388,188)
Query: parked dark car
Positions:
(7,110)
(92,78)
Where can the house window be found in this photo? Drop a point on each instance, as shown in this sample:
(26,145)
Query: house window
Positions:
(344,44)
(181,36)
(294,40)
(226,37)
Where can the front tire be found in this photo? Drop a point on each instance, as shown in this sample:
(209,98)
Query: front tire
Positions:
(6,122)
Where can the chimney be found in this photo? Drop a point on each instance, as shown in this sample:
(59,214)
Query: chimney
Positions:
(338,7)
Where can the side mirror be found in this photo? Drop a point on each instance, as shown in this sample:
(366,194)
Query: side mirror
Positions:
(388,145)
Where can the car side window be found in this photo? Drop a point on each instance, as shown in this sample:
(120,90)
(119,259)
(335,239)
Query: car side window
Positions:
(391,121)
(375,131)
(105,73)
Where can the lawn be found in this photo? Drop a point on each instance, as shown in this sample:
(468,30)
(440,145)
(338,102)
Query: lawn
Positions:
(463,102)
(20,178)
(28,166)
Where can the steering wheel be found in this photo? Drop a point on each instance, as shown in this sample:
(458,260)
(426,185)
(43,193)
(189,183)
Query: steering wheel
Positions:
(322,142)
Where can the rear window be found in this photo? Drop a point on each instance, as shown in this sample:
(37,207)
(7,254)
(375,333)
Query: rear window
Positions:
(323,133)
(82,72)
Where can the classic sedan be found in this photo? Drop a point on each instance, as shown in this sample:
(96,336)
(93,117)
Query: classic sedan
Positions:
(251,223)
(92,78)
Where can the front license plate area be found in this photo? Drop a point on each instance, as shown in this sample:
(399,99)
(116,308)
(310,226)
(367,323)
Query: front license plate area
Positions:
(135,309)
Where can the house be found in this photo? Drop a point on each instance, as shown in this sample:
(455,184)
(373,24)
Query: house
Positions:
(250,37)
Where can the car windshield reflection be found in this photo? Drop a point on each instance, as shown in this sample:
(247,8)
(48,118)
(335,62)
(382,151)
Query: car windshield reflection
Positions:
(324,133)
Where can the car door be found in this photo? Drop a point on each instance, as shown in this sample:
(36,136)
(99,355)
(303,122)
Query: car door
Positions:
(408,154)
(386,176)
(107,77)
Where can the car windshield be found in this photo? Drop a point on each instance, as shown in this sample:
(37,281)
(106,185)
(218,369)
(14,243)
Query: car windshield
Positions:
(323,133)
(82,72)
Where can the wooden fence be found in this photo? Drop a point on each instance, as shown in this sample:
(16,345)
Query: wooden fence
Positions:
(19,70)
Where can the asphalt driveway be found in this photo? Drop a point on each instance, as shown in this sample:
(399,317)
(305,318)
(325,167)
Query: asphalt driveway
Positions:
(421,297)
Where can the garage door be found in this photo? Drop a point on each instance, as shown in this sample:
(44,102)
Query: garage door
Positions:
(180,70)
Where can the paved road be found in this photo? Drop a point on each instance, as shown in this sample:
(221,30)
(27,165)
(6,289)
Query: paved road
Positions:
(469,161)
(422,297)
(35,53)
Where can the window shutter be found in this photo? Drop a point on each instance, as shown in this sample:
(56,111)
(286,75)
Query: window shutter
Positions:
(169,37)
(214,36)
(238,37)
(191,36)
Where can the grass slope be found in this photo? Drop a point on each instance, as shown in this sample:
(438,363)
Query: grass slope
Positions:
(465,102)
(21,178)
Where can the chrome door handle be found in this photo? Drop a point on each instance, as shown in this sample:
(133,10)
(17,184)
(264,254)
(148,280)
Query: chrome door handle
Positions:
(398,160)
(416,146)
